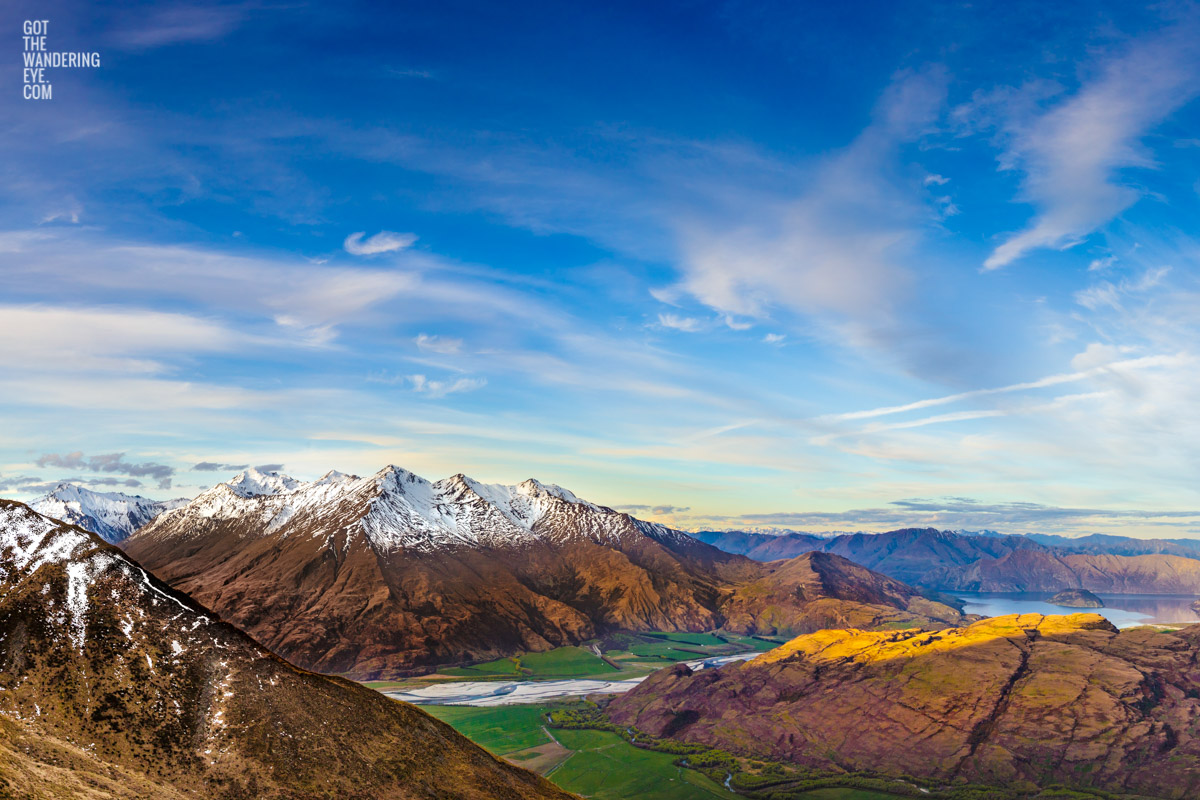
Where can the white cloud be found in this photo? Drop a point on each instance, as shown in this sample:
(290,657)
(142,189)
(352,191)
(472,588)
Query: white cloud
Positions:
(382,242)
(1072,154)
(836,248)
(436,389)
(774,338)
(676,322)
(1109,295)
(1147,362)
(438,344)
(46,338)
(179,23)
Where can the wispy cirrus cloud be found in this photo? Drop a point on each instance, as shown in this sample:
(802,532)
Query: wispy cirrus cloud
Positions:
(680,323)
(442,345)
(178,24)
(438,389)
(837,248)
(129,340)
(964,513)
(382,242)
(1074,154)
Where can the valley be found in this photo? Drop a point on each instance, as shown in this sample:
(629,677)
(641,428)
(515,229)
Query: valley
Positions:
(492,607)
(596,763)
(624,661)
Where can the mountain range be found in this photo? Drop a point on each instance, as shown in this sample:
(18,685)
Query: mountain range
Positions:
(392,574)
(114,685)
(950,561)
(1017,701)
(112,515)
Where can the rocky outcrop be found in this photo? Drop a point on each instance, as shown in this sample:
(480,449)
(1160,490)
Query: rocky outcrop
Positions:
(113,685)
(1076,598)
(1016,701)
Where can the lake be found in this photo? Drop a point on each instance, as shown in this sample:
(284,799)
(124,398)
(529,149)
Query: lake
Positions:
(1122,610)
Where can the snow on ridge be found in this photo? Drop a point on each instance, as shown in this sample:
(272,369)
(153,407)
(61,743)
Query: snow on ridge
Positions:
(112,515)
(398,509)
(252,483)
(29,541)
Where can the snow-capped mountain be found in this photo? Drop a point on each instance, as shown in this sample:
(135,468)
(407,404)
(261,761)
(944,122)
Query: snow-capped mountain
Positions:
(403,511)
(115,685)
(383,575)
(112,515)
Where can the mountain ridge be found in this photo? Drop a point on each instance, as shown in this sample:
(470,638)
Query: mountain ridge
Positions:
(114,516)
(1017,701)
(117,686)
(389,574)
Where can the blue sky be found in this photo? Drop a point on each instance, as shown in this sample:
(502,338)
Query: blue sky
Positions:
(768,264)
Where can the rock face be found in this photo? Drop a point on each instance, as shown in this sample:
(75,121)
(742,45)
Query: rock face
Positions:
(1013,700)
(1076,598)
(386,575)
(112,685)
(1048,571)
(112,515)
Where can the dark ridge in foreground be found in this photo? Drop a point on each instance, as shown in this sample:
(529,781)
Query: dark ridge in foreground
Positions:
(112,685)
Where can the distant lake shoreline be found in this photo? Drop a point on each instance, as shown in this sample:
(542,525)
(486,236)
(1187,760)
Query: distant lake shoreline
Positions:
(1122,610)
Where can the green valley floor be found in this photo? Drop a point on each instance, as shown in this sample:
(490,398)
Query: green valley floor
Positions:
(595,764)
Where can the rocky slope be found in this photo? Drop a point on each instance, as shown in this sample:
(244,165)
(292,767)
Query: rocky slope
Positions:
(385,575)
(1048,571)
(112,685)
(1017,701)
(112,515)
(822,590)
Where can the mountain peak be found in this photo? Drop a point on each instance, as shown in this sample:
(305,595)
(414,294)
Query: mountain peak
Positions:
(112,515)
(532,487)
(253,483)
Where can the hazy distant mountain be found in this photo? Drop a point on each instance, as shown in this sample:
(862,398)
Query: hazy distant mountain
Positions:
(907,555)
(113,685)
(112,515)
(910,554)
(383,575)
(1098,543)
(762,546)
(1052,570)
(1010,701)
